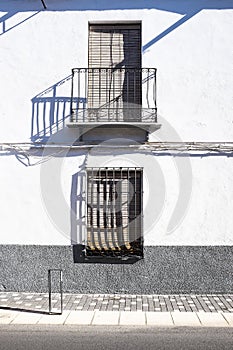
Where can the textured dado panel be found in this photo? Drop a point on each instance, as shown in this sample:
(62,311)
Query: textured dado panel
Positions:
(170,269)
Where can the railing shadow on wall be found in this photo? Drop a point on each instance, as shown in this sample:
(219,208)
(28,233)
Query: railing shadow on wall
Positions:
(50,109)
(9,20)
(77,204)
(77,224)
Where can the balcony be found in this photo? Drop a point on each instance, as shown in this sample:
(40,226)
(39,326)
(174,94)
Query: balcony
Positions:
(114,97)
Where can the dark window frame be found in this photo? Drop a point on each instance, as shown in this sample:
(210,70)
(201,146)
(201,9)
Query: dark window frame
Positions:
(114,212)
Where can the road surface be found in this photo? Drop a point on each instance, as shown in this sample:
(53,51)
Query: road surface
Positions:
(40,337)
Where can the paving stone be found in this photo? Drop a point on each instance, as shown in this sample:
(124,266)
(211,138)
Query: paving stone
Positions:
(203,304)
(229,318)
(106,318)
(163,319)
(132,318)
(54,319)
(103,307)
(185,319)
(80,317)
(225,302)
(26,318)
(6,317)
(212,319)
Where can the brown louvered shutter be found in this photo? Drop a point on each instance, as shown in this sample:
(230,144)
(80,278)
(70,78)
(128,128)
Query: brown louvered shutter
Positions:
(115,62)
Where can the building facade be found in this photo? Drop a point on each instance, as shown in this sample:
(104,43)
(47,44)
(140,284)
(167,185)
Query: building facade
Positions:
(116,145)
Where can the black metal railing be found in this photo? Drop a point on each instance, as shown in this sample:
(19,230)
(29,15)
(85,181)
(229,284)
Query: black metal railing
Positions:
(113,95)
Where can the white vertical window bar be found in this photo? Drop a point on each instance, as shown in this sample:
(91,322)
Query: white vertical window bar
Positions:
(114,208)
(119,209)
(122,216)
(128,209)
(105,208)
(99,92)
(135,204)
(92,209)
(98,240)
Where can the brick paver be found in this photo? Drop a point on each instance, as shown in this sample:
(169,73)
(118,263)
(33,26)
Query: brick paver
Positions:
(118,302)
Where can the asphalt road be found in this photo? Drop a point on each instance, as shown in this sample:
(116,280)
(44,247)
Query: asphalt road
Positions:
(14,337)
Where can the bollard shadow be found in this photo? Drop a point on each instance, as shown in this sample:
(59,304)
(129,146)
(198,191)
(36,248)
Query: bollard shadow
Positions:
(42,312)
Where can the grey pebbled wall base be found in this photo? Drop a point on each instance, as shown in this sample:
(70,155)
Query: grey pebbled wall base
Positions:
(164,270)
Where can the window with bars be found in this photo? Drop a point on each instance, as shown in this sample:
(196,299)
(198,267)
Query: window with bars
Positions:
(114,212)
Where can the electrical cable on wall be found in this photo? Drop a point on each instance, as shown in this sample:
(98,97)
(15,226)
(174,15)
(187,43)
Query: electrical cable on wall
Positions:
(150,146)
(26,151)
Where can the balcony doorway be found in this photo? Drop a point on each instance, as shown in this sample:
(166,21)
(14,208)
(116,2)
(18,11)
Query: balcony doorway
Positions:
(115,77)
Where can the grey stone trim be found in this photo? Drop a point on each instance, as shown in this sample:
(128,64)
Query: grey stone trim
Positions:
(164,270)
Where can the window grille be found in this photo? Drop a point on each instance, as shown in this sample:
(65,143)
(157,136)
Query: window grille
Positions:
(114,212)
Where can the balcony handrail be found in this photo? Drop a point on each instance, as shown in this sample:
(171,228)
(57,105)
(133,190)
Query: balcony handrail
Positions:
(116,94)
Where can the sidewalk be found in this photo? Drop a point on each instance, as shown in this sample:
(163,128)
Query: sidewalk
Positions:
(210,310)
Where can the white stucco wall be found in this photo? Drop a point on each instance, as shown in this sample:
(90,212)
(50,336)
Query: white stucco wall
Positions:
(194,87)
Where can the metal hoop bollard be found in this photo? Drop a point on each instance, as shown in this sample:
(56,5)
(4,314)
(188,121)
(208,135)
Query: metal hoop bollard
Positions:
(50,290)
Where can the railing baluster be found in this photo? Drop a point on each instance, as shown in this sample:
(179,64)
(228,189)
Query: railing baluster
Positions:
(99,90)
(127,87)
(113,77)
(85,102)
(155,93)
(92,73)
(106,88)
(72,96)
(147,88)
(134,87)
(78,87)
